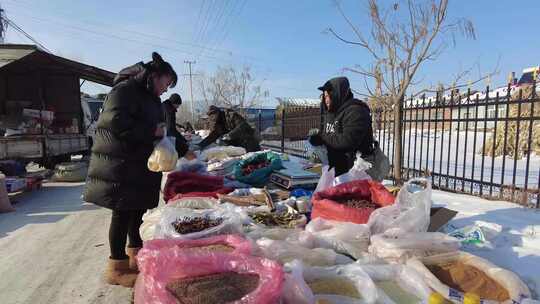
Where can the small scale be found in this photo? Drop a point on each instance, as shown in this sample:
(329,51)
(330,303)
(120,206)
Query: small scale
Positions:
(294,177)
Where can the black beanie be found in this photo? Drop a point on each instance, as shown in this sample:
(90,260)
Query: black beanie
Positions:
(175,99)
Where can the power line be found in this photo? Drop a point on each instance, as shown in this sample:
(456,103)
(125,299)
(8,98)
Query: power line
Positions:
(18,28)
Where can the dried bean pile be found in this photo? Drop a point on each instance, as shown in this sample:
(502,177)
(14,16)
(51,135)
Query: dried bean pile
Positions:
(218,288)
(211,248)
(195,224)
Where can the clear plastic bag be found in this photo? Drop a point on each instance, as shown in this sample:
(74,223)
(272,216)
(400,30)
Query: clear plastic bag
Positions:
(194,165)
(295,289)
(342,237)
(410,213)
(297,286)
(327,179)
(221,153)
(164,156)
(516,288)
(231,222)
(317,154)
(401,247)
(406,278)
(284,252)
(158,268)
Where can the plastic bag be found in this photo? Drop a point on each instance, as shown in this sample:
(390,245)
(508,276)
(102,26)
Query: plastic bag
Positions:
(342,237)
(239,244)
(194,203)
(5,204)
(221,153)
(194,165)
(401,247)
(326,205)
(406,278)
(231,222)
(317,154)
(276,233)
(516,288)
(284,252)
(257,177)
(410,213)
(160,267)
(164,156)
(357,172)
(297,289)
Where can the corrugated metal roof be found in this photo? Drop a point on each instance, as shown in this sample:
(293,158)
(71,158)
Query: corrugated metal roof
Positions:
(14,52)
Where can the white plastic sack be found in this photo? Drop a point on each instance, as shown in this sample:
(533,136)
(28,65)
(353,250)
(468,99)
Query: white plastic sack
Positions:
(285,252)
(401,247)
(357,172)
(164,156)
(221,153)
(296,289)
(276,233)
(231,222)
(342,237)
(516,288)
(405,277)
(410,213)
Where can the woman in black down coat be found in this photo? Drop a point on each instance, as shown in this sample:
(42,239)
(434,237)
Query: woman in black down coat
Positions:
(118,177)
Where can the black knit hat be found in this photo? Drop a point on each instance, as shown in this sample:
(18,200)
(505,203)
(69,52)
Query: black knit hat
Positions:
(175,99)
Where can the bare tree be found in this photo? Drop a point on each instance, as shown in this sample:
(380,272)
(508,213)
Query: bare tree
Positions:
(403,37)
(231,88)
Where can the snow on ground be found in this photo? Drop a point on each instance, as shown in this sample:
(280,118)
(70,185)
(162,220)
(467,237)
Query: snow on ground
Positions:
(516,247)
(54,249)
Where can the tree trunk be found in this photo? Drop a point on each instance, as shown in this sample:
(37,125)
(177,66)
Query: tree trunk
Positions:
(398,123)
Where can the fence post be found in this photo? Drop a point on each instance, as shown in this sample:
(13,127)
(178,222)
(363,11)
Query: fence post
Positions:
(283,130)
(398,124)
(260,123)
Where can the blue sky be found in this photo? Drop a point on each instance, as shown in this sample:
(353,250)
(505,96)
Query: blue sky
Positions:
(282,41)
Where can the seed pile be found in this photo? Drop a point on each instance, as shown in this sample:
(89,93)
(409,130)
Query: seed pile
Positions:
(334,286)
(359,204)
(286,220)
(249,168)
(218,288)
(195,224)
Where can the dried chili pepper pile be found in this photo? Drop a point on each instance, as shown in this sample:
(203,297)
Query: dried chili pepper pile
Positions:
(359,204)
(195,224)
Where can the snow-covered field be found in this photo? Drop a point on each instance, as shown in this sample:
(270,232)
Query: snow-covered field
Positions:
(514,237)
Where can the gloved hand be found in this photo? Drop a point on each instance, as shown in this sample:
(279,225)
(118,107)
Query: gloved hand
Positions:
(316,140)
(226,137)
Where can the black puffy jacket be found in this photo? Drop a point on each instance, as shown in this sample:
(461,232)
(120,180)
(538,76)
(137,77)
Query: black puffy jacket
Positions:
(118,177)
(347,126)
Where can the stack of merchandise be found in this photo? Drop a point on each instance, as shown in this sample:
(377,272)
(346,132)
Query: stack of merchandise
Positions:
(360,244)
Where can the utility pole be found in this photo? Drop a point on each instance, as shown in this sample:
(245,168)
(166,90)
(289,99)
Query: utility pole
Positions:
(3,25)
(191,89)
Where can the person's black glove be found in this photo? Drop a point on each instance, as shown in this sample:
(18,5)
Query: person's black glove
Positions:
(316,140)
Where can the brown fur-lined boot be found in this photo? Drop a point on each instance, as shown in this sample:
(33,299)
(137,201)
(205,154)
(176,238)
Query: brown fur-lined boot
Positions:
(118,273)
(132,254)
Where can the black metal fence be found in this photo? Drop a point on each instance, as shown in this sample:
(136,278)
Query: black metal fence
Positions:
(481,143)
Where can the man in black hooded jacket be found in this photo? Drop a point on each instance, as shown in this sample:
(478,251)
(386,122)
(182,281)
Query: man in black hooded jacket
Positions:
(347,126)
(170,107)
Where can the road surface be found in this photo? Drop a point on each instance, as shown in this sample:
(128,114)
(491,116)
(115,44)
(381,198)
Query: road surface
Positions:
(54,249)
